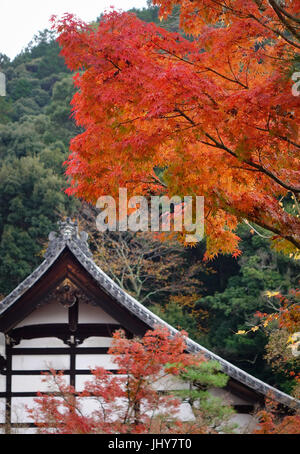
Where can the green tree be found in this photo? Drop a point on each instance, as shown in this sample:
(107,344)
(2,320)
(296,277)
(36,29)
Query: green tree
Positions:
(209,410)
(233,308)
(31,202)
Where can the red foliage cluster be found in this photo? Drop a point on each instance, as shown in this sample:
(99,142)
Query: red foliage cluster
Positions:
(217,112)
(271,423)
(127,402)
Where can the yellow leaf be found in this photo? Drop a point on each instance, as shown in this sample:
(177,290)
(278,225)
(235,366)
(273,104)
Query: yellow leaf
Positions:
(270,294)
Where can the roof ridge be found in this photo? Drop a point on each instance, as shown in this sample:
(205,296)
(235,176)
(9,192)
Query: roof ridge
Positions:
(68,230)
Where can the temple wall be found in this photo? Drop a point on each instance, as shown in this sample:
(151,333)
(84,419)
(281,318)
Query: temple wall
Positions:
(50,313)
(92,314)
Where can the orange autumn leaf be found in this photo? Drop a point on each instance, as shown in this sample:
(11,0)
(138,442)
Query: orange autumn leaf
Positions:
(216,112)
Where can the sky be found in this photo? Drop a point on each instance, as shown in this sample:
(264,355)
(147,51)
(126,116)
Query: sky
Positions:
(20,20)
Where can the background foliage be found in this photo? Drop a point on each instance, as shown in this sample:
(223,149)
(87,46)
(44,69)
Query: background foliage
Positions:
(35,130)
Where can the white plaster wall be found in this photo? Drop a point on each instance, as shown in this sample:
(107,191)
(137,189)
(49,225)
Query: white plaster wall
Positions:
(93,314)
(246,423)
(40,362)
(170,382)
(80,381)
(184,412)
(2,410)
(94,361)
(2,383)
(2,344)
(25,431)
(19,407)
(42,342)
(89,405)
(50,313)
(96,342)
(33,383)
(19,413)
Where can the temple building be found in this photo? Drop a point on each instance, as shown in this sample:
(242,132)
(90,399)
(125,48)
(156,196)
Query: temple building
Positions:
(63,316)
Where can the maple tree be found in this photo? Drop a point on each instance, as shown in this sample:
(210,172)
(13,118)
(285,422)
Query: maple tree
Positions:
(131,401)
(270,421)
(215,113)
(163,275)
(282,326)
(149,269)
(282,350)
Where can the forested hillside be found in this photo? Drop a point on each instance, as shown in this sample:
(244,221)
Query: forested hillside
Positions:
(217,298)
(35,131)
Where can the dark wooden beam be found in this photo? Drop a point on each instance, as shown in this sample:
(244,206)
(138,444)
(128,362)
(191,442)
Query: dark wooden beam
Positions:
(8,393)
(62,331)
(59,351)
